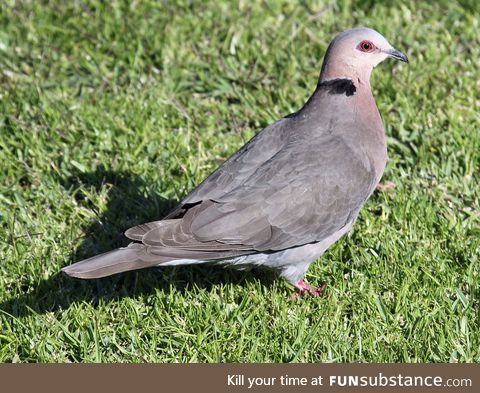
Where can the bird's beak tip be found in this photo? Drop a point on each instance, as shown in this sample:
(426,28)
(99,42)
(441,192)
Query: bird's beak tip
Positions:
(396,54)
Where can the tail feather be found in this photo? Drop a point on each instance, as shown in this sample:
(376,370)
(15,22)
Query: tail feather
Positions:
(120,260)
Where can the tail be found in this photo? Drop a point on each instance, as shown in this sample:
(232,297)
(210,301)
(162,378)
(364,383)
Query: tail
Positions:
(120,260)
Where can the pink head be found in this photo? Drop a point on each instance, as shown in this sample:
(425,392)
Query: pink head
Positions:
(354,53)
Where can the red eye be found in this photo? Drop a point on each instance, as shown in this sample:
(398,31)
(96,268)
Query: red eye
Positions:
(366,46)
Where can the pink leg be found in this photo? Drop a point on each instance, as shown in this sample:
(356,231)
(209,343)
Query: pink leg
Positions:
(307,289)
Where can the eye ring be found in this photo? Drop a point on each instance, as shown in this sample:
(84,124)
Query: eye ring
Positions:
(366,46)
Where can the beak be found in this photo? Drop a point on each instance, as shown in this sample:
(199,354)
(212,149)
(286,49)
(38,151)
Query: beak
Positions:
(396,54)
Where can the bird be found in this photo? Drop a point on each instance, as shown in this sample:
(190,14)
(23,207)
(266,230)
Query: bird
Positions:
(289,193)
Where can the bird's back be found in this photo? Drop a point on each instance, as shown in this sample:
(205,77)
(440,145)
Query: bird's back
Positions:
(298,181)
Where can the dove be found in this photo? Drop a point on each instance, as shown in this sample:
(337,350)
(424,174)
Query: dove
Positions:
(289,193)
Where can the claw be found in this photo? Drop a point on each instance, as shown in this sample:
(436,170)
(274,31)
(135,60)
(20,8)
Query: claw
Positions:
(307,289)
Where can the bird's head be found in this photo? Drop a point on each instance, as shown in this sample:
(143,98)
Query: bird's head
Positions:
(354,53)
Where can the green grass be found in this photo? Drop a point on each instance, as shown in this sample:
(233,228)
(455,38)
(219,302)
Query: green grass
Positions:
(111,113)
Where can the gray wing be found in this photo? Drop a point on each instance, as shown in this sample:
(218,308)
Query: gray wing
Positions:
(302,196)
(296,197)
(297,182)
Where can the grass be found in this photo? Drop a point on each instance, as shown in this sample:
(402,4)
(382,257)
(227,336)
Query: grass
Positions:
(111,113)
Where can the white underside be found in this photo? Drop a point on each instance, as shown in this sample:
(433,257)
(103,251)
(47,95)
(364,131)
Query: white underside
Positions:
(291,264)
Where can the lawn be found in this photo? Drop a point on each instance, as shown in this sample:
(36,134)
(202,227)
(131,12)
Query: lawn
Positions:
(109,114)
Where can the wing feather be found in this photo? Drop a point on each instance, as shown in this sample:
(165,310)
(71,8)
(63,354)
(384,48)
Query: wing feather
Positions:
(298,181)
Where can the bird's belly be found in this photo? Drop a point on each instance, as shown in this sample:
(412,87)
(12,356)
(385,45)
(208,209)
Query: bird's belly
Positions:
(305,254)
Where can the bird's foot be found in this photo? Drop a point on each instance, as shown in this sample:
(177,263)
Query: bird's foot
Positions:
(306,289)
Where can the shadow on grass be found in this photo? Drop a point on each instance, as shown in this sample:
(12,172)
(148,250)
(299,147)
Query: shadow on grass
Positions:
(130,202)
